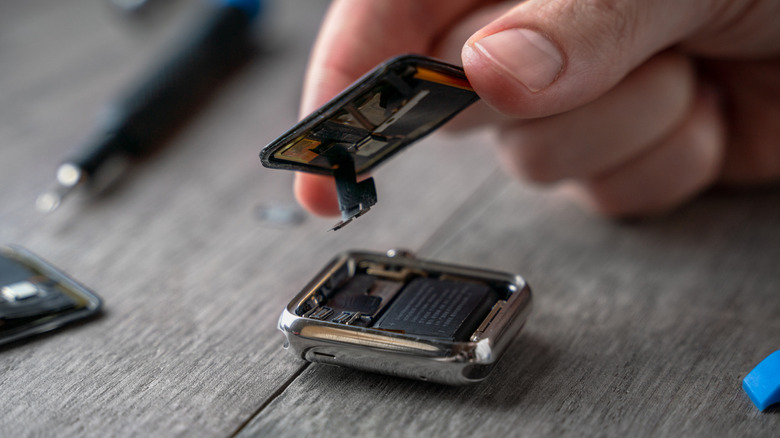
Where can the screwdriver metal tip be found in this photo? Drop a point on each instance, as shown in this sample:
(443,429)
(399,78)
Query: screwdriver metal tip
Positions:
(68,178)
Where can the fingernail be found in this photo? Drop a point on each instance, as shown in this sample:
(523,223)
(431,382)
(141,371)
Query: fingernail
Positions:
(523,54)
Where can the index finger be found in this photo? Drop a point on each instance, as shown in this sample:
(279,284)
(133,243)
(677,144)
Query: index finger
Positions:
(357,35)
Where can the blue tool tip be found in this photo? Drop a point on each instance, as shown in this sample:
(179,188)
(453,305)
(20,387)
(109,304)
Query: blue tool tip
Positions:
(250,7)
(762,385)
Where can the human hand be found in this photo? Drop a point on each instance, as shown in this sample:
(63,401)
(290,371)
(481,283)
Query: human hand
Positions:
(636,106)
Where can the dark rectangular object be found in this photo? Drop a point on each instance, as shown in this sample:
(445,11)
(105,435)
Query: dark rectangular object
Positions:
(394,105)
(438,308)
(391,107)
(35,297)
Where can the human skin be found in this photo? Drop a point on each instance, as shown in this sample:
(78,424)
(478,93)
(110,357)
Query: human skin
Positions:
(631,107)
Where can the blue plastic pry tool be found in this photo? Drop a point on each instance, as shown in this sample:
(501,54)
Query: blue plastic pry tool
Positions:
(763,383)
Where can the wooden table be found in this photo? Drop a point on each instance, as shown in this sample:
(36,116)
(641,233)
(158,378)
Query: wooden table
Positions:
(638,329)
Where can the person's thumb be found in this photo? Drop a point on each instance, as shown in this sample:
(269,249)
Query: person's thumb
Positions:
(546,57)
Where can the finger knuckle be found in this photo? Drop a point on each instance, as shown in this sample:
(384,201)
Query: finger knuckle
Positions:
(611,22)
(529,158)
(604,201)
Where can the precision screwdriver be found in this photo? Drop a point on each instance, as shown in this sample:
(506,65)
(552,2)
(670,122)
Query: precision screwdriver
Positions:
(141,118)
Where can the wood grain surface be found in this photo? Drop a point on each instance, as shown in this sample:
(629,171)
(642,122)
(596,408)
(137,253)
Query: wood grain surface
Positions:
(640,328)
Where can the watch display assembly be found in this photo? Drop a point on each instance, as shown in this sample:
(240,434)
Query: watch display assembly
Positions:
(35,297)
(388,109)
(399,315)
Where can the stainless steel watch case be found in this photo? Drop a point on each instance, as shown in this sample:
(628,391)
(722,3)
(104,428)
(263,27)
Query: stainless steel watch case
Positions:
(426,358)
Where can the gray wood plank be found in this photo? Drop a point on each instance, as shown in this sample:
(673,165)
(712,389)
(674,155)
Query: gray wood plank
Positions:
(642,329)
(193,282)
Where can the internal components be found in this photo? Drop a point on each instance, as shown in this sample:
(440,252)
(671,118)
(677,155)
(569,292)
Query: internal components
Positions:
(391,107)
(402,316)
(439,308)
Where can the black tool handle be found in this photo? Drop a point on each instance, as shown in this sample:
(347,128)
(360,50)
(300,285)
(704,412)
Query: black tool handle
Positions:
(147,113)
